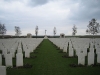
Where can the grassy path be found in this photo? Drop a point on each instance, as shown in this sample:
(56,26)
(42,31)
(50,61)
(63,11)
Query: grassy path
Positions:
(50,62)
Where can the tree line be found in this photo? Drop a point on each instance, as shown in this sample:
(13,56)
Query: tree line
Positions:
(93,28)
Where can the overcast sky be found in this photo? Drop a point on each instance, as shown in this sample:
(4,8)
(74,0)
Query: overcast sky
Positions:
(47,14)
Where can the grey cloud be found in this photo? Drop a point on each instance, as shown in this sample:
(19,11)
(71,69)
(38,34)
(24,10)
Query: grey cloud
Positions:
(32,2)
(90,3)
(37,2)
(7,0)
(13,0)
(87,10)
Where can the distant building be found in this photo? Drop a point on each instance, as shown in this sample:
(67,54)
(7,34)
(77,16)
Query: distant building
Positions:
(29,35)
(62,35)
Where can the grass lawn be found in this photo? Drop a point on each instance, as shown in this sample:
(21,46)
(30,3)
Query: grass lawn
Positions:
(50,62)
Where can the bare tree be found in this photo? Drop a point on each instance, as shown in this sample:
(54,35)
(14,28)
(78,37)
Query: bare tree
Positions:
(36,31)
(93,27)
(74,30)
(2,29)
(54,31)
(17,30)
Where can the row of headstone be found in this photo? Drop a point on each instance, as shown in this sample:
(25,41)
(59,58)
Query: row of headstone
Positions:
(59,42)
(81,58)
(80,47)
(9,49)
(90,57)
(31,46)
(19,46)
(9,61)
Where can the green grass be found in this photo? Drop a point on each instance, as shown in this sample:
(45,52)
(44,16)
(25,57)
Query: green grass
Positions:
(50,62)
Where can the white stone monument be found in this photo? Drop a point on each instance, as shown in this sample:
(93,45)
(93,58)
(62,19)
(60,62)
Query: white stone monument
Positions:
(0,60)
(45,37)
(13,52)
(19,59)
(60,45)
(34,47)
(4,52)
(30,48)
(8,60)
(2,70)
(81,58)
(19,50)
(97,50)
(71,52)
(92,50)
(27,53)
(85,51)
(98,57)
(65,49)
(90,58)
(77,50)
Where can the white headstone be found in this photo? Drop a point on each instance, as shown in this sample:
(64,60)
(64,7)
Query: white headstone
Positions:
(97,50)
(2,70)
(90,58)
(27,53)
(78,50)
(8,60)
(30,48)
(19,59)
(91,45)
(85,51)
(19,50)
(65,49)
(98,57)
(71,52)
(81,58)
(61,46)
(0,59)
(24,48)
(92,50)
(13,52)
(34,48)
(4,52)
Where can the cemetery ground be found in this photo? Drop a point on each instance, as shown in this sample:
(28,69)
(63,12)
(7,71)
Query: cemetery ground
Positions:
(48,60)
